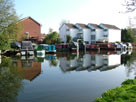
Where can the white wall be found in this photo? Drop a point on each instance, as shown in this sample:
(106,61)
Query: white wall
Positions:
(114,35)
(99,60)
(86,60)
(111,60)
(87,35)
(99,34)
(73,33)
(64,64)
(114,60)
(73,63)
(62,33)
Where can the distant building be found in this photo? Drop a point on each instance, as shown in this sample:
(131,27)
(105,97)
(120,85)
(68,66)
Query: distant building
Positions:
(43,36)
(31,30)
(90,33)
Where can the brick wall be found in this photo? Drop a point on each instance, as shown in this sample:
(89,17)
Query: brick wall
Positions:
(31,26)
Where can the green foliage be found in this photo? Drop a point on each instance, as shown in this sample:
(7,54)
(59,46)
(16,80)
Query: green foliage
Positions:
(54,63)
(127,35)
(8,23)
(52,38)
(11,81)
(69,39)
(124,93)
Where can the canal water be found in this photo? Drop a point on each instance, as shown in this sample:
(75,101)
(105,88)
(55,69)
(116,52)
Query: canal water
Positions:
(64,77)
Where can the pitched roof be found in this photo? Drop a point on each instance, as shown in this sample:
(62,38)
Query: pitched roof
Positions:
(83,25)
(31,19)
(95,26)
(71,25)
(110,26)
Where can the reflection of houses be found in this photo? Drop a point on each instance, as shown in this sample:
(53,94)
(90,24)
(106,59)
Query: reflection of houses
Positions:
(68,65)
(30,69)
(91,62)
(104,62)
(31,29)
(84,63)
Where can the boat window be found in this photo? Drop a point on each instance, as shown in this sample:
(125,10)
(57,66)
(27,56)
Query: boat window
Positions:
(51,47)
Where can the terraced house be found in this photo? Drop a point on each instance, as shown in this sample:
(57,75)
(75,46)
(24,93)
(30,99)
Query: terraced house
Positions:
(31,30)
(90,33)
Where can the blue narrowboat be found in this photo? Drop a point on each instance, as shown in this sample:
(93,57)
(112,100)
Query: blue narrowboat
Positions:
(49,48)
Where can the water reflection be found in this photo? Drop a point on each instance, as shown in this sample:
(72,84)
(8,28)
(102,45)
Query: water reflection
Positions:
(90,62)
(52,59)
(29,67)
(129,61)
(94,69)
(10,81)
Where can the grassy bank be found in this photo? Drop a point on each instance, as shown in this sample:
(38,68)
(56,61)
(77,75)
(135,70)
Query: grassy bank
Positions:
(125,93)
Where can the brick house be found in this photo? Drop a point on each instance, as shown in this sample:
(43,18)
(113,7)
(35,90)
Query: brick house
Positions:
(30,30)
(29,69)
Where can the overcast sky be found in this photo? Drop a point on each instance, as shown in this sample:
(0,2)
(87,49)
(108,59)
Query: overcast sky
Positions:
(50,13)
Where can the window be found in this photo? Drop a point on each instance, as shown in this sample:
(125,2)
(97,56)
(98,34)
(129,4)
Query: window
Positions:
(86,42)
(67,30)
(92,37)
(105,29)
(80,30)
(93,58)
(93,30)
(93,42)
(105,35)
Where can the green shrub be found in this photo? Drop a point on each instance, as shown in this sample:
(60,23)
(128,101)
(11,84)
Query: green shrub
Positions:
(125,93)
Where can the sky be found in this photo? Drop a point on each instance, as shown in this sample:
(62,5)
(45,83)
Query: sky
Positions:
(50,13)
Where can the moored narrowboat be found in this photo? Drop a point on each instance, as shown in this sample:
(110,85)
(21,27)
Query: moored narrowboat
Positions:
(48,48)
(26,48)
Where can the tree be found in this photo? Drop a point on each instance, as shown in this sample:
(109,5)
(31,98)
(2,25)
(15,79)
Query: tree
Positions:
(69,39)
(130,5)
(127,35)
(64,21)
(8,23)
(52,38)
